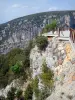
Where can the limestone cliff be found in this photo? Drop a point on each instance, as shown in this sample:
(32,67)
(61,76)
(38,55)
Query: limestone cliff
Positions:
(65,78)
(18,32)
(61,59)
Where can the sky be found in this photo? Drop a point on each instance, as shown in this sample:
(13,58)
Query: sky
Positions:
(11,9)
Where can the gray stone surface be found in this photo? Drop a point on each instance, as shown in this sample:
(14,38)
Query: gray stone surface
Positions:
(65,82)
(51,61)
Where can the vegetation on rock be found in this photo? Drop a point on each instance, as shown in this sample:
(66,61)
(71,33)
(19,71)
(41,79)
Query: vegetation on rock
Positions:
(14,64)
(19,93)
(11,94)
(41,42)
(2,98)
(35,86)
(29,92)
(50,27)
(47,76)
(17,67)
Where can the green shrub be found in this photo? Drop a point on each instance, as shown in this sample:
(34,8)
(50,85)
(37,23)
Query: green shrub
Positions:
(15,64)
(29,92)
(14,56)
(35,86)
(19,93)
(26,62)
(47,79)
(11,94)
(4,66)
(13,52)
(28,48)
(50,27)
(17,67)
(2,98)
(41,42)
(2,60)
(44,67)
(44,93)
(3,81)
(47,76)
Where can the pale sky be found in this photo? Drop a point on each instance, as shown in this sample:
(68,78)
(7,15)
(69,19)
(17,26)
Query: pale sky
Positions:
(11,9)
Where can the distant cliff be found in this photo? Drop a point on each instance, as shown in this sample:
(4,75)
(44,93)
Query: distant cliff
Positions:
(18,32)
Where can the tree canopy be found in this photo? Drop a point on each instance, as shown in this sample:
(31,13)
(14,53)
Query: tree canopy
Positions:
(41,42)
(50,27)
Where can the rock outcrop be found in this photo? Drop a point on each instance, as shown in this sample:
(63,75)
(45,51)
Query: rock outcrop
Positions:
(65,78)
(61,59)
(16,83)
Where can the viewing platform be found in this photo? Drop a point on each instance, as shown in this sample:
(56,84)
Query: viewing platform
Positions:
(65,35)
(51,34)
(63,38)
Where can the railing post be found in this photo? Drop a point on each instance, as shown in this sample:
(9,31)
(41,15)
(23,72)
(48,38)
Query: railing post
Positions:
(70,33)
(74,36)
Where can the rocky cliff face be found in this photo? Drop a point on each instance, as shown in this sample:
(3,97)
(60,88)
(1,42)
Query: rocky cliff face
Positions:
(65,78)
(61,59)
(18,32)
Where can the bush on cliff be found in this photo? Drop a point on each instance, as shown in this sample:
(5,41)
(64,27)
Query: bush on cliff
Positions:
(50,27)
(19,59)
(17,68)
(47,76)
(29,92)
(11,94)
(19,94)
(41,42)
(35,86)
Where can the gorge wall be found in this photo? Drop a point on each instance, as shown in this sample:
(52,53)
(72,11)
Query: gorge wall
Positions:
(61,59)
(18,32)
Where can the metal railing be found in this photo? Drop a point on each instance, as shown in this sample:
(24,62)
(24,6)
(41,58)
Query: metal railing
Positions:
(72,35)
